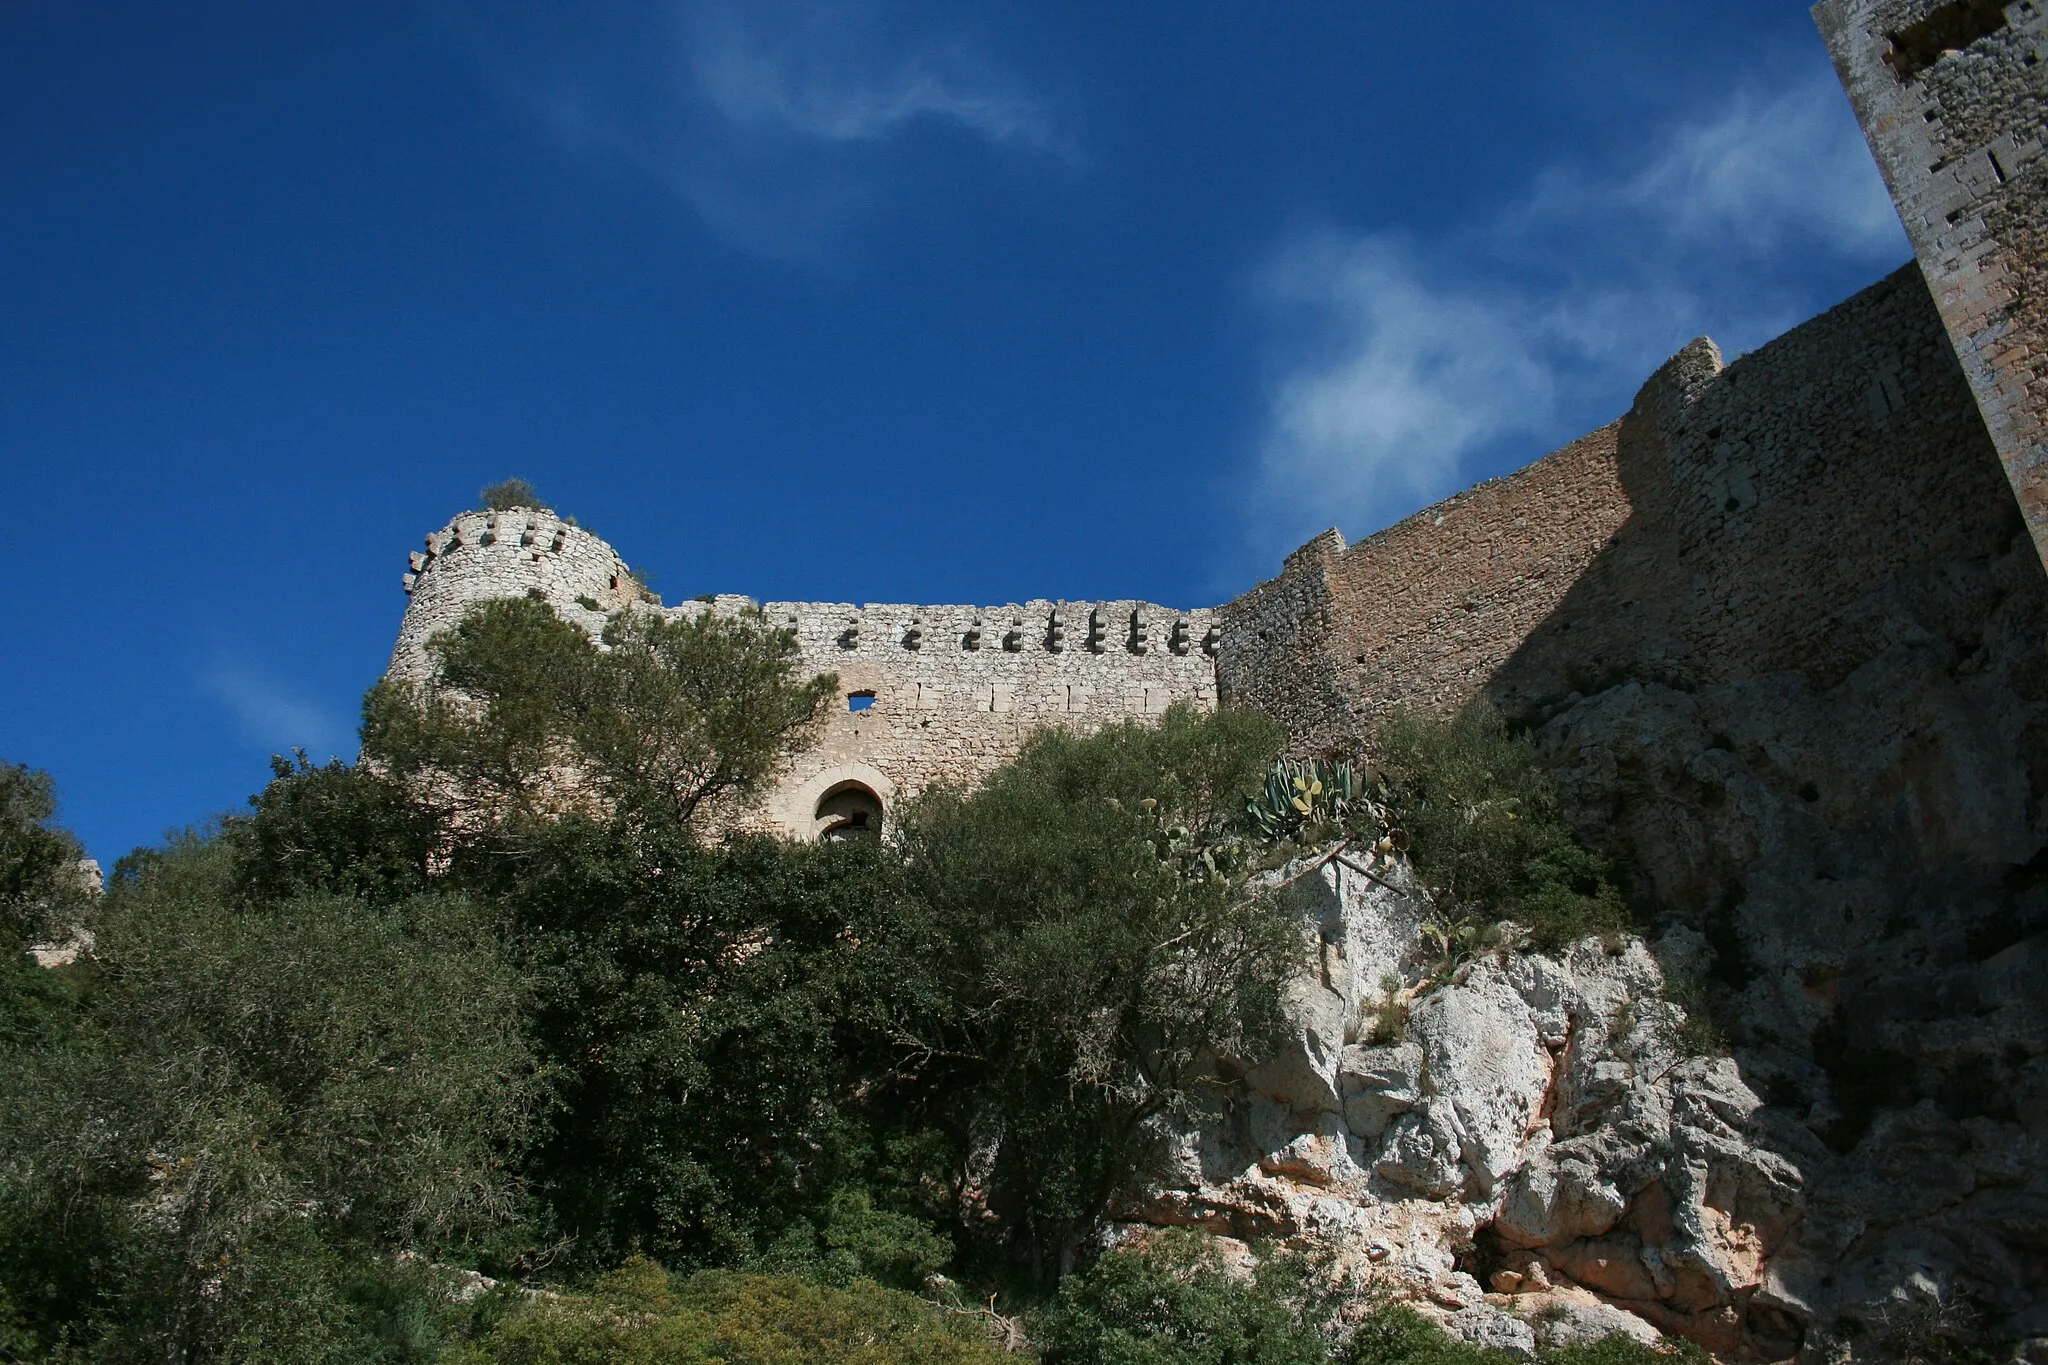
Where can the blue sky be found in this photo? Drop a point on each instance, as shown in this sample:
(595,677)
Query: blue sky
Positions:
(869,300)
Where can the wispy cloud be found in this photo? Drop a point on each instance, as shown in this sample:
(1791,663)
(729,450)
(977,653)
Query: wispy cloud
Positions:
(1398,366)
(1402,375)
(771,119)
(829,72)
(275,714)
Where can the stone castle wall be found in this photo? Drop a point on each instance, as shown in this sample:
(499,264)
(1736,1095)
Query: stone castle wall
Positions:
(956,689)
(1424,613)
(1950,96)
(1735,523)
(946,693)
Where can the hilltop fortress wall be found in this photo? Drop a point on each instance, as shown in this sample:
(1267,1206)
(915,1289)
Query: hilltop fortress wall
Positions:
(1741,520)
(1780,632)
(926,693)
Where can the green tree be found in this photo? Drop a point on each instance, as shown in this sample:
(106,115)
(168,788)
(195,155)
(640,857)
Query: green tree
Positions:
(703,1008)
(255,1103)
(38,881)
(338,828)
(669,715)
(1064,975)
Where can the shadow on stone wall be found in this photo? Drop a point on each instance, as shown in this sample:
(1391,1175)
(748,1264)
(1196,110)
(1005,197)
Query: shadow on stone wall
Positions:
(1802,697)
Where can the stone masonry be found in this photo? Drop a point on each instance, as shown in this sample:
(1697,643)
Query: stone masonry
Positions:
(1950,98)
(926,693)
(1781,634)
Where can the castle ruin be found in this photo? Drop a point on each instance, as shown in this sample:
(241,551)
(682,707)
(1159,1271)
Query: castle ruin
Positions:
(1781,633)
(1726,527)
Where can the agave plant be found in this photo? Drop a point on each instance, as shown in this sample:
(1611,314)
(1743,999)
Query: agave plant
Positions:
(1455,942)
(1304,795)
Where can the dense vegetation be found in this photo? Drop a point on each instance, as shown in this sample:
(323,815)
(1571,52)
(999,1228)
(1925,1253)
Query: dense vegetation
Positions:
(496,1002)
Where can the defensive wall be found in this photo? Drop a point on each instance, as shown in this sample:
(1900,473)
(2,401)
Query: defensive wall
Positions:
(1736,522)
(926,693)
(1781,633)
(1949,94)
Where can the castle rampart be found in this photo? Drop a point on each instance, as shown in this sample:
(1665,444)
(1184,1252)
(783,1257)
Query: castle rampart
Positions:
(1422,614)
(1950,96)
(926,693)
(483,555)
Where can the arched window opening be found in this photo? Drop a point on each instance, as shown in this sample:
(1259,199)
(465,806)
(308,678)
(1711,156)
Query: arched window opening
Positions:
(859,701)
(849,811)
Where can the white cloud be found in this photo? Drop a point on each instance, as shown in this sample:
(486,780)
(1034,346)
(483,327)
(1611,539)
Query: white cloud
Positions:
(1411,374)
(1420,360)
(274,715)
(1769,169)
(771,119)
(827,72)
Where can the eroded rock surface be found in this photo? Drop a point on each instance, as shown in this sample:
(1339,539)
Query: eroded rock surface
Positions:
(1533,1158)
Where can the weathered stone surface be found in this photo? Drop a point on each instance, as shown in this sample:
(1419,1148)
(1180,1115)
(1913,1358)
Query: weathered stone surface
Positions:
(1486,1071)
(1781,632)
(1573,1320)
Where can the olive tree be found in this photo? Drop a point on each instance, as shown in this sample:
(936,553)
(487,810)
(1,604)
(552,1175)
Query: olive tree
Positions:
(527,713)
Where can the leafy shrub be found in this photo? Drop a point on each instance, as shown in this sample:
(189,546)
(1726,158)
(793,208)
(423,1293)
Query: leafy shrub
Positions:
(1618,1349)
(1395,1334)
(852,1239)
(640,1315)
(1175,1303)
(512,495)
(1485,830)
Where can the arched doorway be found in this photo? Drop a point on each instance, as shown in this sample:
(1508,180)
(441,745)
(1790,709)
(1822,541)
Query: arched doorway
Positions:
(848,810)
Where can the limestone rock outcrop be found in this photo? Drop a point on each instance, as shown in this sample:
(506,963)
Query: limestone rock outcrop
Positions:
(1522,1146)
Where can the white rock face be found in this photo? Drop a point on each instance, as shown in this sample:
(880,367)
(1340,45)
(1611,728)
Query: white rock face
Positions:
(1532,1108)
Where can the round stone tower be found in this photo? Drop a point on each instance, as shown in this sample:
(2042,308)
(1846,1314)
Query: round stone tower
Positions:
(521,552)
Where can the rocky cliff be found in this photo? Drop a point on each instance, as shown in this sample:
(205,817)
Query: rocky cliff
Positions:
(1536,1150)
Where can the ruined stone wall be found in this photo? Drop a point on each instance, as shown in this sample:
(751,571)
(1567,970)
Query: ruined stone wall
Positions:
(1422,614)
(1782,636)
(947,693)
(484,555)
(1735,523)
(956,689)
(1951,97)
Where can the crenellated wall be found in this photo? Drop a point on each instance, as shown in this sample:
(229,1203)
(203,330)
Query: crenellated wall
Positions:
(955,689)
(484,555)
(946,693)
